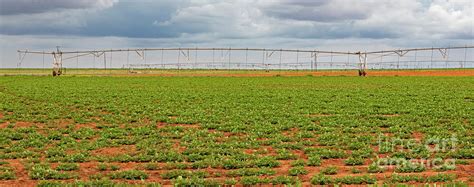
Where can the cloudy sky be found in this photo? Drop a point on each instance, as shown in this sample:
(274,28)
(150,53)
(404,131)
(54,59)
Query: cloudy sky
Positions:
(315,24)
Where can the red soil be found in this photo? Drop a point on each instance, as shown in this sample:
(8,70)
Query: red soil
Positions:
(113,151)
(22,178)
(23,124)
(418,136)
(4,125)
(86,125)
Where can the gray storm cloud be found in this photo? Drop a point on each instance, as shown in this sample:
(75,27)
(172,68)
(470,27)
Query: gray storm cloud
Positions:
(319,10)
(14,7)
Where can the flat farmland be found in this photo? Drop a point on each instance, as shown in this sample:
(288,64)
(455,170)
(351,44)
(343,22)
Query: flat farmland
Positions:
(212,131)
(236,73)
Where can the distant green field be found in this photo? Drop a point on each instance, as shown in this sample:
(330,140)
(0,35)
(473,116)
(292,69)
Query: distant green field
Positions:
(234,72)
(67,72)
(237,130)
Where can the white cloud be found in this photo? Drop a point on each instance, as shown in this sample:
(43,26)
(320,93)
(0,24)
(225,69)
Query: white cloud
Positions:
(327,18)
(333,24)
(223,18)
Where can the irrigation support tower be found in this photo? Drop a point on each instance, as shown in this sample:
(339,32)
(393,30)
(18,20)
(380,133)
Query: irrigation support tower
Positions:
(266,59)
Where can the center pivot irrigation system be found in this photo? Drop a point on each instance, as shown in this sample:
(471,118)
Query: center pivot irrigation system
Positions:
(261,58)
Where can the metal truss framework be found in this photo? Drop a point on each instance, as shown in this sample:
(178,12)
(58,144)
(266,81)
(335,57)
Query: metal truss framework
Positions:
(247,58)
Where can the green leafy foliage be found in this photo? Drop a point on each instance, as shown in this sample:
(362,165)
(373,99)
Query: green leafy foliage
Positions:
(364,179)
(298,163)
(6,172)
(44,172)
(298,170)
(375,168)
(320,179)
(129,175)
(178,127)
(250,172)
(67,167)
(286,180)
(330,170)
(195,181)
(314,161)
(353,161)
(253,180)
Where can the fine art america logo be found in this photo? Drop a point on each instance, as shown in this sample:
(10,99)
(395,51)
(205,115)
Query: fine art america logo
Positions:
(412,155)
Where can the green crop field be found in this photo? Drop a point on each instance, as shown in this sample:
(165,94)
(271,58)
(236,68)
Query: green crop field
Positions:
(236,130)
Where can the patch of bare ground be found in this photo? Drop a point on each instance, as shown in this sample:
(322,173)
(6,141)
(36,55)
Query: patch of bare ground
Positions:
(86,125)
(417,136)
(285,165)
(113,151)
(464,172)
(62,123)
(4,125)
(311,172)
(22,124)
(127,165)
(332,162)
(249,151)
(389,134)
(87,169)
(383,155)
(1,115)
(300,154)
(22,178)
